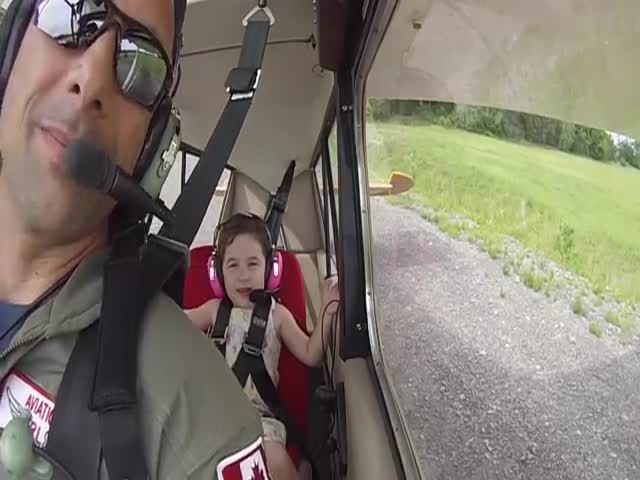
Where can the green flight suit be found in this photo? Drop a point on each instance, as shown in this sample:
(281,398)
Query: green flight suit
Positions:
(193,411)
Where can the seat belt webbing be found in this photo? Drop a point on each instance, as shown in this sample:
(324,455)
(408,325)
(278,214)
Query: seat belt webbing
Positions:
(193,202)
(97,394)
(72,415)
(218,331)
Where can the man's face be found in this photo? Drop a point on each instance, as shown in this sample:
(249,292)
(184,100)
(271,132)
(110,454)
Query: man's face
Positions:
(56,94)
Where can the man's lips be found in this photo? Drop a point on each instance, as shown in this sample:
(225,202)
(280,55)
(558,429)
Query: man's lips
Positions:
(60,135)
(56,140)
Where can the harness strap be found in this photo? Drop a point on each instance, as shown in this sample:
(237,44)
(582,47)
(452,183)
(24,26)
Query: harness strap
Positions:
(250,361)
(72,415)
(268,392)
(218,332)
(97,394)
(191,206)
(254,340)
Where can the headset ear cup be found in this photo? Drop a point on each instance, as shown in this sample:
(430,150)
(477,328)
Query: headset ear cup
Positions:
(215,278)
(275,276)
(153,139)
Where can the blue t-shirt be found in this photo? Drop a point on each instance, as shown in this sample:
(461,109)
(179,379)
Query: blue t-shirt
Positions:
(9,325)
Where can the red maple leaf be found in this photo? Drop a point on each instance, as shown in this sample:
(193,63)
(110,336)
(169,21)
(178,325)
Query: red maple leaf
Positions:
(256,472)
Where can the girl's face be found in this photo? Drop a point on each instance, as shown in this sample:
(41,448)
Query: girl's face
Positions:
(243,269)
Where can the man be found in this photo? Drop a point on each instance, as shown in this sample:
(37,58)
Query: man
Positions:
(195,419)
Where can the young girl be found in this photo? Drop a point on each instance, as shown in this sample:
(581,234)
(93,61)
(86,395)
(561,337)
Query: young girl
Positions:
(243,246)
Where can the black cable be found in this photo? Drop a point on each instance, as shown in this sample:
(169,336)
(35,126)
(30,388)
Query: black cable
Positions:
(324,351)
(329,377)
(335,341)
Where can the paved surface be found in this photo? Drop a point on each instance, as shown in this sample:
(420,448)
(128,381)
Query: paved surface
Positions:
(497,381)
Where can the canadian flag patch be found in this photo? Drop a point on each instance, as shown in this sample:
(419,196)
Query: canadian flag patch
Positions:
(20,393)
(247,464)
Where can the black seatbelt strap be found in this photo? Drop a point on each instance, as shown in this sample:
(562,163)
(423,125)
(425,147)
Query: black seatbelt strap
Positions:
(250,361)
(114,393)
(191,206)
(72,415)
(97,395)
(124,302)
(218,333)
(278,204)
(260,316)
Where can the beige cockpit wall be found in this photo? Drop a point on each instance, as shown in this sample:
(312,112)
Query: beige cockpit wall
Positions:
(288,109)
(575,60)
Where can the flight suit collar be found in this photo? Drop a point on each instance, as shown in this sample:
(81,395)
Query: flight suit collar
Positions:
(74,307)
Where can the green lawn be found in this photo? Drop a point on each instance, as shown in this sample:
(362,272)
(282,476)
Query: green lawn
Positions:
(533,194)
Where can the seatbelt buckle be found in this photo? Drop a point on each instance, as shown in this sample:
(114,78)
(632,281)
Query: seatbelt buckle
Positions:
(251,349)
(217,340)
(242,82)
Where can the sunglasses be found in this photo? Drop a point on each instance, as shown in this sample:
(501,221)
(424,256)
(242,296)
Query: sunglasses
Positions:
(141,65)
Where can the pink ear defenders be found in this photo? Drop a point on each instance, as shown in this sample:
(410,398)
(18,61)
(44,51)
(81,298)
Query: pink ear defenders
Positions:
(217,285)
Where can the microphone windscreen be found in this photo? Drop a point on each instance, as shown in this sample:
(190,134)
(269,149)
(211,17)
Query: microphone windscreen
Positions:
(89,165)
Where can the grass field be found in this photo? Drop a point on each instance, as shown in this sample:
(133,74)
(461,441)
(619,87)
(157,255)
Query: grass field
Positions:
(583,214)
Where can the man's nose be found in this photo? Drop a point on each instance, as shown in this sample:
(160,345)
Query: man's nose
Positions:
(91,80)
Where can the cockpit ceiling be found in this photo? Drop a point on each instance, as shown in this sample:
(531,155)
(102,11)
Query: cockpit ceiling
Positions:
(576,60)
(288,109)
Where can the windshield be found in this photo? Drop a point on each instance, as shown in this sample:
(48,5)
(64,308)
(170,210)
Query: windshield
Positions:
(507,287)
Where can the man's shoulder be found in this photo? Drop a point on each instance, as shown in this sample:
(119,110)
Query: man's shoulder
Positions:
(193,401)
(174,355)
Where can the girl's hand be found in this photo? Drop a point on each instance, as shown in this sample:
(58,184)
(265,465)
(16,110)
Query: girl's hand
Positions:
(330,295)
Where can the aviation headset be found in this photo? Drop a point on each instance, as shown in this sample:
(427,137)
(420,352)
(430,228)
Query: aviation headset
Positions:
(163,137)
(272,279)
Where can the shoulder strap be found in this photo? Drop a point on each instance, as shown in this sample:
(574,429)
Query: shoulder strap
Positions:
(192,203)
(251,351)
(68,419)
(97,395)
(250,361)
(218,332)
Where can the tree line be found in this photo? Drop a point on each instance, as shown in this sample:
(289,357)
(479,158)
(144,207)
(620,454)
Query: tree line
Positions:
(510,125)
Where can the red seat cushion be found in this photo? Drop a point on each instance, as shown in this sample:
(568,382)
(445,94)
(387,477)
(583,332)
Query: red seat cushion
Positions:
(293,387)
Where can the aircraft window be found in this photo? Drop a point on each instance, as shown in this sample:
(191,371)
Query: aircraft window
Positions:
(506,287)
(171,191)
(319,169)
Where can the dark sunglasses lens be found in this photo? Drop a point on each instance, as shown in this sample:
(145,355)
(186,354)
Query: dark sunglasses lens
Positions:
(141,70)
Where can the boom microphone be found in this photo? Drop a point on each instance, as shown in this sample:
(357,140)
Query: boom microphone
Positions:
(91,167)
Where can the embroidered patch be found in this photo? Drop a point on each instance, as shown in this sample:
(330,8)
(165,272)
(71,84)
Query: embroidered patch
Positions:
(247,464)
(18,393)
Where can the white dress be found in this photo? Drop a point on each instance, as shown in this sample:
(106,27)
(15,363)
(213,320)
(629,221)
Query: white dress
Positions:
(239,322)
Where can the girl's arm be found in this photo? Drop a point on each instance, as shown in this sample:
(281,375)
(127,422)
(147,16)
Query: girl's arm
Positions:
(310,350)
(202,316)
